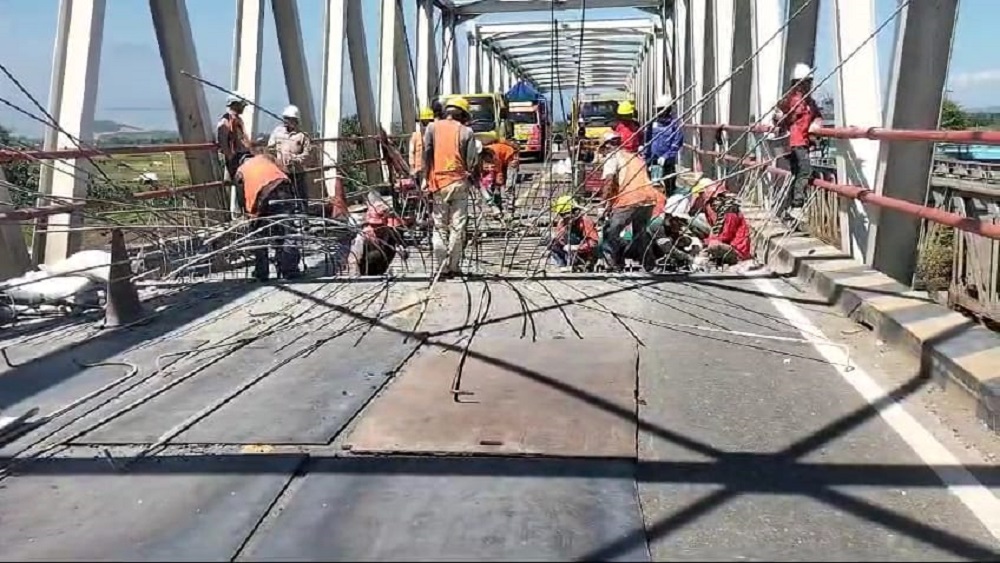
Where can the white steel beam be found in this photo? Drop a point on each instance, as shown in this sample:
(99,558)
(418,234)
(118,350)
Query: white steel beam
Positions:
(51,134)
(916,91)
(387,65)
(293,61)
(335,28)
(76,115)
(682,63)
(357,49)
(858,102)
(767,43)
(425,41)
(545,28)
(194,120)
(248,48)
(481,7)
(474,74)
(450,65)
(723,31)
(660,65)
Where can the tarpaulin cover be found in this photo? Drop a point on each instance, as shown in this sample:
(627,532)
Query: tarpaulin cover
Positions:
(523,92)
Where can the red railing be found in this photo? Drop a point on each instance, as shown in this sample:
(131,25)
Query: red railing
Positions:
(876,134)
(989,230)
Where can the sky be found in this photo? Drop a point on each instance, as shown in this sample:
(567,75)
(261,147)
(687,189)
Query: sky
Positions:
(133,90)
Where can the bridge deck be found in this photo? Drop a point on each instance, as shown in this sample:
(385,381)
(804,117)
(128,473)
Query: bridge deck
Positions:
(747,441)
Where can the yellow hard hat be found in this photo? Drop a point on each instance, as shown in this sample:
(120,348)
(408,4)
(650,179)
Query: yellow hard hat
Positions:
(457,102)
(626,108)
(701,185)
(426,114)
(564,204)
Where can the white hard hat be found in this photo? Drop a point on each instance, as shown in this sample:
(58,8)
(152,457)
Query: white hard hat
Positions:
(291,112)
(479,146)
(801,71)
(663,101)
(234,99)
(610,136)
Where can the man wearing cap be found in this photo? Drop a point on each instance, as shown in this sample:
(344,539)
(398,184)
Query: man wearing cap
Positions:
(416,152)
(450,156)
(292,148)
(575,242)
(799,115)
(231,134)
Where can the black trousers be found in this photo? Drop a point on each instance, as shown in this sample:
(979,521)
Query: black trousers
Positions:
(270,233)
(614,247)
(801,168)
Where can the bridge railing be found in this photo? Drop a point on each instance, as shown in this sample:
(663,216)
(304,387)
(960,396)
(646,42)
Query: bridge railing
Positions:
(959,249)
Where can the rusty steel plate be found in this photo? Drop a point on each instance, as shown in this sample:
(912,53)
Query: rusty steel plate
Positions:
(572,398)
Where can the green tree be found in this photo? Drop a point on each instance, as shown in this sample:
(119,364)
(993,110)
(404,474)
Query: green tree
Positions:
(23,174)
(953,117)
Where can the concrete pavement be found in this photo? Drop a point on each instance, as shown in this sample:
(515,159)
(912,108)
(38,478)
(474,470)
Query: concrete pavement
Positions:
(750,442)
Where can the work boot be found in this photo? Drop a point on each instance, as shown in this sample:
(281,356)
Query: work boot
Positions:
(261,268)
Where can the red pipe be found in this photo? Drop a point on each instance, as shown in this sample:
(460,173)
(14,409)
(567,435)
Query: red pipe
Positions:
(975,226)
(878,134)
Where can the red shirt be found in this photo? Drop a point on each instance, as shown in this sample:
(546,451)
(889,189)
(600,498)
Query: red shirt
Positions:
(629,132)
(736,233)
(800,111)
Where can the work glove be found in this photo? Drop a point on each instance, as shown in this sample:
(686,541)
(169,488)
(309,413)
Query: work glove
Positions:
(572,247)
(661,161)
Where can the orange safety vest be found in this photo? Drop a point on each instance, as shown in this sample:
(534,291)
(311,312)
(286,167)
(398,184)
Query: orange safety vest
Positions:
(634,186)
(448,165)
(237,132)
(504,155)
(260,174)
(416,152)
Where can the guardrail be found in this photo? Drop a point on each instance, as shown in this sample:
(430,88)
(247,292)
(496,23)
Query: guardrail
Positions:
(959,252)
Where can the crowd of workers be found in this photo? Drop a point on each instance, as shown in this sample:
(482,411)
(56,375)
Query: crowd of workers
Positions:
(644,215)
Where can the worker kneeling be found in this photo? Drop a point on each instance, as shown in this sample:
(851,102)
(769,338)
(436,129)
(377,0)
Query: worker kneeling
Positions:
(376,245)
(265,193)
(729,242)
(574,245)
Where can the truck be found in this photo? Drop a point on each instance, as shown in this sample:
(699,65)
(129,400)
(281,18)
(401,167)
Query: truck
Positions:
(598,113)
(489,117)
(530,121)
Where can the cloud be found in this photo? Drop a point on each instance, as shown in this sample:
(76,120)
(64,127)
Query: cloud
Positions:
(976,79)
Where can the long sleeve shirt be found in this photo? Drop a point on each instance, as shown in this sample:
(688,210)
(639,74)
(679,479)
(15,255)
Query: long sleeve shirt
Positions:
(292,148)
(664,140)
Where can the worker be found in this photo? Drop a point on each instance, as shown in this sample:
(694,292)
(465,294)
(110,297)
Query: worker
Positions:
(375,246)
(293,149)
(663,143)
(263,192)
(629,198)
(799,115)
(627,127)
(232,136)
(729,241)
(500,163)
(437,108)
(416,154)
(574,245)
(450,157)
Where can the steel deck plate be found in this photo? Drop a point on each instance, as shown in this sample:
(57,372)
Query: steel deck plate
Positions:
(456,509)
(309,400)
(199,508)
(554,397)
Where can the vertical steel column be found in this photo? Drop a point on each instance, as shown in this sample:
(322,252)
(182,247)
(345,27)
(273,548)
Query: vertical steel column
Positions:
(682,61)
(916,90)
(660,63)
(404,77)
(76,116)
(14,259)
(800,38)
(334,27)
(858,101)
(425,40)
(724,30)
(293,60)
(703,20)
(474,81)
(497,72)
(450,64)
(357,49)
(740,93)
(194,121)
(248,48)
(51,134)
(387,66)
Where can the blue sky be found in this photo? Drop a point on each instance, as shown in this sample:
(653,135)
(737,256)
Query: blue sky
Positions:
(133,89)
